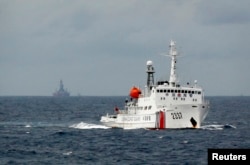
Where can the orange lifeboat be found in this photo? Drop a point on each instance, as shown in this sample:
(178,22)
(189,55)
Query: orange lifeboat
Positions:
(135,92)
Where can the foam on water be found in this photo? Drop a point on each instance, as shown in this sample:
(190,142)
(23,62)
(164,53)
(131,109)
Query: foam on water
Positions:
(41,124)
(83,125)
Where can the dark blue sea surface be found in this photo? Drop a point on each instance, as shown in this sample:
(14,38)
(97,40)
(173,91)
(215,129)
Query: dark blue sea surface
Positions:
(51,130)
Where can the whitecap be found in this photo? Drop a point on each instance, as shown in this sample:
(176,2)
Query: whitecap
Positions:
(83,125)
(27,126)
(185,142)
(68,153)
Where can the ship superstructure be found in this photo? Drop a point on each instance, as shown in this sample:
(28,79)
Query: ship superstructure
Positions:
(165,104)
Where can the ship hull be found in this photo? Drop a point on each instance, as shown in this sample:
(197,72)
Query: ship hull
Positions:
(179,116)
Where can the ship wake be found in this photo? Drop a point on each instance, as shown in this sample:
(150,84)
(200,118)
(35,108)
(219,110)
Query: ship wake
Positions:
(217,127)
(83,125)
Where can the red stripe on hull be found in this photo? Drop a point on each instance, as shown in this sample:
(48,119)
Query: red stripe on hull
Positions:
(162,120)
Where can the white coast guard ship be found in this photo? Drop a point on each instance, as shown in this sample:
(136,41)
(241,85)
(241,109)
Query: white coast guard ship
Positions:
(166,104)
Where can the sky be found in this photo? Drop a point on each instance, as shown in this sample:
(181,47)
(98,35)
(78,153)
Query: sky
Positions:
(100,47)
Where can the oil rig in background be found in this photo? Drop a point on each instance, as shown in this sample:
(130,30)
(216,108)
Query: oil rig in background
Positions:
(61,92)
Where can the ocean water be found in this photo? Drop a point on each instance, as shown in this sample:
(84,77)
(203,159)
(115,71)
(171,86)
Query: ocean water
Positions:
(49,130)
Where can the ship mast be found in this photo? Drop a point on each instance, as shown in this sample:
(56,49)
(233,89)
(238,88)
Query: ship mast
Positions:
(150,76)
(173,53)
